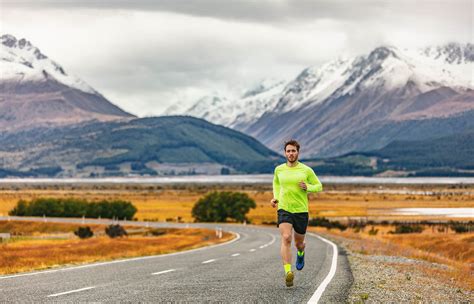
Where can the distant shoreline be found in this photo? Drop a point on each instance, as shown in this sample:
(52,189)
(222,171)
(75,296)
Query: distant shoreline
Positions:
(238,179)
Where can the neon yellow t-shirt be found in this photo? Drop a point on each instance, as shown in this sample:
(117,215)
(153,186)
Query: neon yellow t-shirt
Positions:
(287,191)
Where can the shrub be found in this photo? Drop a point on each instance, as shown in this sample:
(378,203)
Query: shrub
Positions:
(84,232)
(357,225)
(21,209)
(220,206)
(324,222)
(459,227)
(157,232)
(114,231)
(319,222)
(73,207)
(373,231)
(400,229)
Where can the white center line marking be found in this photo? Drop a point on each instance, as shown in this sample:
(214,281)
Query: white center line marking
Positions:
(252,250)
(209,261)
(236,254)
(263,246)
(164,271)
(67,292)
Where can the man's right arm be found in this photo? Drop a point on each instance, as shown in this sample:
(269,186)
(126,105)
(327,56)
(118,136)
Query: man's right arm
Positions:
(276,188)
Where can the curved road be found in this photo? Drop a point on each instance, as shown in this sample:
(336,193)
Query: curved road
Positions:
(246,269)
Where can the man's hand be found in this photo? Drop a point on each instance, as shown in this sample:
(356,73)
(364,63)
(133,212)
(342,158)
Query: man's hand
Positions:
(303,185)
(274,202)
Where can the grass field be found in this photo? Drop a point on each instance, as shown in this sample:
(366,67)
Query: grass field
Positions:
(45,245)
(456,251)
(336,201)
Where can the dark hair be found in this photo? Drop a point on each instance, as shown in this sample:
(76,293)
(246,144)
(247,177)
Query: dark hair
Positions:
(293,143)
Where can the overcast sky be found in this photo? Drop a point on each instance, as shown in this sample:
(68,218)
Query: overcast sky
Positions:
(147,55)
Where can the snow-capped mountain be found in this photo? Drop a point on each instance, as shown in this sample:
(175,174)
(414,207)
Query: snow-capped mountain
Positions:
(35,90)
(452,53)
(384,68)
(331,108)
(21,61)
(233,112)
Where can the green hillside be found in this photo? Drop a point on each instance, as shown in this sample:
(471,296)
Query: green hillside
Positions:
(445,156)
(104,148)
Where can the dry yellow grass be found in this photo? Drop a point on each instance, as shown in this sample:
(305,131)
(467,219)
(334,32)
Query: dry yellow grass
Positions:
(34,254)
(161,203)
(336,202)
(17,228)
(451,249)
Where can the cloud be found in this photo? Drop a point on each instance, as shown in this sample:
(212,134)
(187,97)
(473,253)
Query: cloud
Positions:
(147,55)
(263,11)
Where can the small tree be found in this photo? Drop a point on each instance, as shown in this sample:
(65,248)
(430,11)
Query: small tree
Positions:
(21,209)
(219,206)
(114,231)
(84,232)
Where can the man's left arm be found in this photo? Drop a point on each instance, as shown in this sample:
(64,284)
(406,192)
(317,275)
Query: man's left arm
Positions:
(313,185)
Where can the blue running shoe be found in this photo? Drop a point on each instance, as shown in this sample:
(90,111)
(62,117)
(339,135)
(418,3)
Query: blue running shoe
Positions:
(299,261)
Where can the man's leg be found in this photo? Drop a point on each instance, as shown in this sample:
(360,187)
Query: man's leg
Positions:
(299,241)
(300,245)
(285,232)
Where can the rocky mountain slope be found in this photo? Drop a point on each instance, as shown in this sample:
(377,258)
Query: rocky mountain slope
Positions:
(36,91)
(347,104)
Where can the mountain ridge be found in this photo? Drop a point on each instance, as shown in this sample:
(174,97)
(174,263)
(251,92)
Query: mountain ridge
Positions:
(170,145)
(37,91)
(347,94)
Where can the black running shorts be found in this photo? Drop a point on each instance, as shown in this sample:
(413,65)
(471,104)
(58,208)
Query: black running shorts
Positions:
(298,220)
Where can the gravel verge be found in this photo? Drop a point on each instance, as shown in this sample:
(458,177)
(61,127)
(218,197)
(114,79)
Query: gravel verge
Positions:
(395,279)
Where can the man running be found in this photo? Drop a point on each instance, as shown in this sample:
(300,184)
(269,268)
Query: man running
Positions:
(291,183)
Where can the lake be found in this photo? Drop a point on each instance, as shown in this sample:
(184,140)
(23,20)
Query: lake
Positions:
(448,212)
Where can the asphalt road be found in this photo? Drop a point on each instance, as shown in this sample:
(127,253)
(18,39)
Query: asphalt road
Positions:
(246,269)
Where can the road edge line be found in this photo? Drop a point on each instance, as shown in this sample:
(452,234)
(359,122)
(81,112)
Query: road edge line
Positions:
(322,287)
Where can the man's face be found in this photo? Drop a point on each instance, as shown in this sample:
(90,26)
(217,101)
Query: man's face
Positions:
(291,153)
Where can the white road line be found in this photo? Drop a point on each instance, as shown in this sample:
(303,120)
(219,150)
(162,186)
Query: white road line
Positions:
(269,243)
(71,291)
(209,261)
(252,250)
(164,271)
(235,254)
(319,292)
(121,261)
(272,241)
